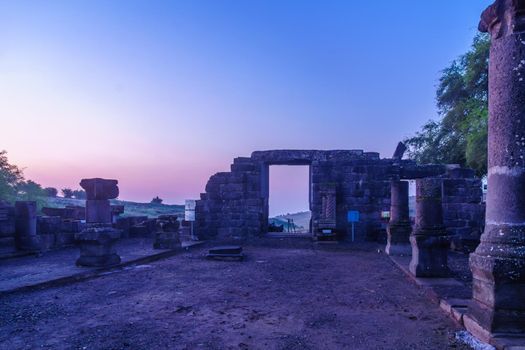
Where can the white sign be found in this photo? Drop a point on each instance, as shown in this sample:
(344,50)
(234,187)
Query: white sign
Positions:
(189,210)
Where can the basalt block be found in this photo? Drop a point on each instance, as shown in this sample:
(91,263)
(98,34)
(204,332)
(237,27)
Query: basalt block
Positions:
(98,188)
(398,239)
(167,240)
(498,264)
(429,240)
(97,246)
(25,218)
(399,228)
(429,255)
(98,211)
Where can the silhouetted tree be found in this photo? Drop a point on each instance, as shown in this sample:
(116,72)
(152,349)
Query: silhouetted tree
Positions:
(51,191)
(67,192)
(79,194)
(29,190)
(10,178)
(156,200)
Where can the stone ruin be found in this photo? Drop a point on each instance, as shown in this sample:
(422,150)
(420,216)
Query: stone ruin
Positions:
(97,241)
(235,204)
(167,234)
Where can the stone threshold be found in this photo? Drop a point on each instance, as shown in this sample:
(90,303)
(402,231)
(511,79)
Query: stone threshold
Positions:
(91,273)
(287,235)
(456,308)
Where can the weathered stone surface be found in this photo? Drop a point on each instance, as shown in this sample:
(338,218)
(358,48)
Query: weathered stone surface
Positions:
(25,213)
(97,189)
(235,205)
(400,151)
(429,239)
(399,228)
(35,242)
(167,235)
(97,246)
(98,211)
(7,220)
(167,240)
(498,264)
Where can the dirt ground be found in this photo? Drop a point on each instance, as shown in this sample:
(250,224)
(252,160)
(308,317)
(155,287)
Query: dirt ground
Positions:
(303,297)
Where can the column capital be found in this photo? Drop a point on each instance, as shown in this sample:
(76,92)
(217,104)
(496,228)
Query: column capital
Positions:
(503,17)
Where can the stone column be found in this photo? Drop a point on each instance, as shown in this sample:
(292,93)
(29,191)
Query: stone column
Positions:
(25,226)
(399,229)
(498,264)
(97,241)
(429,239)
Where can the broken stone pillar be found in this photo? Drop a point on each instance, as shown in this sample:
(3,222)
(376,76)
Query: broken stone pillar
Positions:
(498,264)
(167,235)
(97,241)
(429,239)
(25,226)
(399,229)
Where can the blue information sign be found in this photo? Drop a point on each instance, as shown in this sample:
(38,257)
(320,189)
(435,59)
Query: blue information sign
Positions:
(353,216)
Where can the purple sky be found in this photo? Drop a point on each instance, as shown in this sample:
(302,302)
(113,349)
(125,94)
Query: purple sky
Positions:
(162,94)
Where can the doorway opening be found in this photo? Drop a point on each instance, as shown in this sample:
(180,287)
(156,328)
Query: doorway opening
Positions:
(289,199)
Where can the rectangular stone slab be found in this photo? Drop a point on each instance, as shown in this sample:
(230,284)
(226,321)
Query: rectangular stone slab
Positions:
(228,250)
(225,256)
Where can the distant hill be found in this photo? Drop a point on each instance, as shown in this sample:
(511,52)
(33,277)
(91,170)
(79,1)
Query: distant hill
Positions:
(301,220)
(130,208)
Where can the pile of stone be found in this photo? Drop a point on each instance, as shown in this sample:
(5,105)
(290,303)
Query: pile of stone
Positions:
(136,226)
(167,235)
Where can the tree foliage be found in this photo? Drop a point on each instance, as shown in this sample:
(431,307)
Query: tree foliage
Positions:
(10,178)
(13,185)
(51,192)
(79,194)
(67,192)
(460,136)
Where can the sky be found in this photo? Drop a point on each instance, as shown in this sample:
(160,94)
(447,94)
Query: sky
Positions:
(162,94)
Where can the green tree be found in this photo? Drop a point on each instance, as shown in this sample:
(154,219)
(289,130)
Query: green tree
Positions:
(13,185)
(10,178)
(67,193)
(460,136)
(51,192)
(79,194)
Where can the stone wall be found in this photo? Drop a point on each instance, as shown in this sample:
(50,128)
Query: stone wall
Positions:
(463,212)
(235,204)
(7,225)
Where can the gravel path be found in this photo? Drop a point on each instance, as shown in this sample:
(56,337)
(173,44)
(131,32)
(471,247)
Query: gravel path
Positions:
(279,298)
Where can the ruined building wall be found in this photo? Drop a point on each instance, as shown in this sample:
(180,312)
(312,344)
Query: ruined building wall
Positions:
(463,211)
(235,204)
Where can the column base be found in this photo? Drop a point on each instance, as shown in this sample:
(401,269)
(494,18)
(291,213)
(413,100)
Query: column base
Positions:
(498,292)
(97,246)
(429,256)
(398,239)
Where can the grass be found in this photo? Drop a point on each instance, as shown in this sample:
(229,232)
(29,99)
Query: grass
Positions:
(130,208)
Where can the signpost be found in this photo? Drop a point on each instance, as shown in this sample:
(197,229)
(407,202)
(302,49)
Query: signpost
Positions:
(353,217)
(189,214)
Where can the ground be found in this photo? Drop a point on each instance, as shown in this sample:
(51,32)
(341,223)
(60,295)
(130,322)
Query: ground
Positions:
(299,296)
